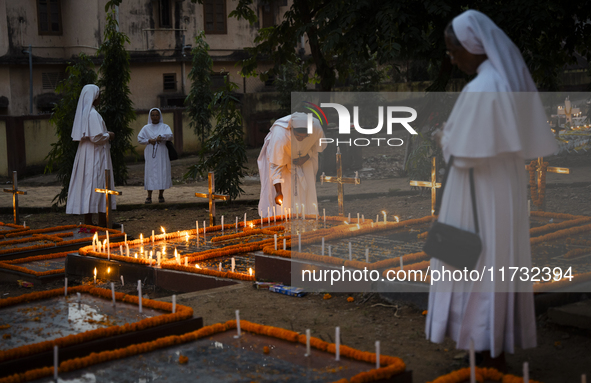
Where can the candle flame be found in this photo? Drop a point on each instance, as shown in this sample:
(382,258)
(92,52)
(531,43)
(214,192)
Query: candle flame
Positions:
(141,238)
(136,255)
(95,272)
(397,218)
(250,271)
(251,225)
(197,266)
(108,270)
(176,255)
(163,249)
(163,231)
(187,236)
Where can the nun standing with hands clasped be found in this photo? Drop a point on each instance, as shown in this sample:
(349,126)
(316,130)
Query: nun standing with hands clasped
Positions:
(157,171)
(92,158)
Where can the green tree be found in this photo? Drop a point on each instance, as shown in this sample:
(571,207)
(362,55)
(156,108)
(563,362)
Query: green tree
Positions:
(116,107)
(201,95)
(63,152)
(292,77)
(224,151)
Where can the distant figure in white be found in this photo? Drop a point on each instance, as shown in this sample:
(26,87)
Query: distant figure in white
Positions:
(288,164)
(157,171)
(92,158)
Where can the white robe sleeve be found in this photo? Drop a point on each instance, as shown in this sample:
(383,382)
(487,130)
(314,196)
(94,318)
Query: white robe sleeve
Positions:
(168,135)
(100,139)
(143,138)
(278,160)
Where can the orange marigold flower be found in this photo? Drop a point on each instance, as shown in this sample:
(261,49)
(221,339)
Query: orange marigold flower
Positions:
(424,312)
(350,299)
(6,336)
(266,349)
(327,296)
(183,359)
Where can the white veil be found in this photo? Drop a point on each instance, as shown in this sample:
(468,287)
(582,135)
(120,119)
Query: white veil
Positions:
(81,127)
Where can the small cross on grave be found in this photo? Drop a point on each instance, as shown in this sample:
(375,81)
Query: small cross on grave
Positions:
(107,192)
(15,192)
(212,197)
(340,181)
(434,185)
(541,179)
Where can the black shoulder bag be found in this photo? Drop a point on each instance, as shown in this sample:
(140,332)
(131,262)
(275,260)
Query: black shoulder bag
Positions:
(456,247)
(172,154)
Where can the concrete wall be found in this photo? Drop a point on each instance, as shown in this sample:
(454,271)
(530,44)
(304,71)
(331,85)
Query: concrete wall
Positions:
(39,135)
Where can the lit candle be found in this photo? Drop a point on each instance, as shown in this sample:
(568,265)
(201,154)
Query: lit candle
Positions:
(173,303)
(237,324)
(158,258)
(350,252)
(366,255)
(163,233)
(244,219)
(322,245)
(139,294)
(65,287)
(397,218)
(274,215)
(55,363)
(204,237)
(308,350)
(108,248)
(152,237)
(122,281)
(222,225)
(220,267)
(337,344)
(95,275)
(141,238)
(186,261)
(127,250)
(525,372)
(108,241)
(385,215)
(275,238)
(233,264)
(126,239)
(377,354)
(472,360)
(94,240)
(299,242)
(113,293)
(284,244)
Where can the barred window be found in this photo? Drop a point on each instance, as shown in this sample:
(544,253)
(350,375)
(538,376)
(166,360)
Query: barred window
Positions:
(49,17)
(214,16)
(169,80)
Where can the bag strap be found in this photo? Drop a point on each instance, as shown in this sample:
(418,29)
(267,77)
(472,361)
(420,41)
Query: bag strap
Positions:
(472,191)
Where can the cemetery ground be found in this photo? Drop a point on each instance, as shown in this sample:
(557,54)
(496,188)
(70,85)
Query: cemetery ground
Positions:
(562,353)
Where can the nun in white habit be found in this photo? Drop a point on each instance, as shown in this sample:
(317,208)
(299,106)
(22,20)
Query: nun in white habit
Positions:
(157,170)
(92,158)
(496,124)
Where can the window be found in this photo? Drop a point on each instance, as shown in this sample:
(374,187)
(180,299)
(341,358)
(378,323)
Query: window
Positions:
(49,17)
(51,79)
(165,14)
(169,81)
(218,80)
(268,14)
(214,16)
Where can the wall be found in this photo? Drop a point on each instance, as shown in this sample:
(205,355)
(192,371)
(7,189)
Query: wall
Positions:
(39,135)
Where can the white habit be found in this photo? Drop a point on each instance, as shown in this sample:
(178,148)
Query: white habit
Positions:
(157,174)
(492,129)
(298,183)
(92,158)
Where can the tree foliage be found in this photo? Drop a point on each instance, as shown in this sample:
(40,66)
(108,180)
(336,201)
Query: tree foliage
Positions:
(547,33)
(224,152)
(116,107)
(63,152)
(292,77)
(200,95)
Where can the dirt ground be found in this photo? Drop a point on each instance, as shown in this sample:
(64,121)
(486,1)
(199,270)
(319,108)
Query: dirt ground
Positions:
(562,354)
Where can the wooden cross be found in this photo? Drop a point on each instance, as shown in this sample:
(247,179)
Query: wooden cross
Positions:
(434,185)
(15,192)
(340,181)
(549,169)
(107,192)
(212,197)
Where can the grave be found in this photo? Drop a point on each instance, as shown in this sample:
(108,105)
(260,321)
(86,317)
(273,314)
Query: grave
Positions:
(81,320)
(38,269)
(26,242)
(216,353)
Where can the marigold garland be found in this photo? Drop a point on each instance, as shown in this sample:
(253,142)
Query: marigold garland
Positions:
(182,312)
(392,365)
(482,374)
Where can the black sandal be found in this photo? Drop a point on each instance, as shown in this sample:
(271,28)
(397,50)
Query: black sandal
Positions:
(161,199)
(148,200)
